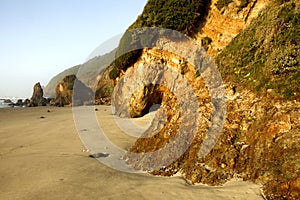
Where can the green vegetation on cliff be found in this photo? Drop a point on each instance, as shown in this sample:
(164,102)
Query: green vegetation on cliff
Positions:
(222,3)
(181,15)
(266,56)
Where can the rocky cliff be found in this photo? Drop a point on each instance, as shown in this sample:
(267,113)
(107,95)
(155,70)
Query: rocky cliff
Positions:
(255,45)
(260,137)
(259,141)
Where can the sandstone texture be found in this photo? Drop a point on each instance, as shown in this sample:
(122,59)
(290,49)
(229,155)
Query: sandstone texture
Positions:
(260,138)
(223,25)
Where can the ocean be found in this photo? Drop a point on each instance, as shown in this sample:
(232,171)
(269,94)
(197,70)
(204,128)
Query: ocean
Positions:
(4,105)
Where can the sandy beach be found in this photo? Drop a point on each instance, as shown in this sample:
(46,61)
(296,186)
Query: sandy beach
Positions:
(42,157)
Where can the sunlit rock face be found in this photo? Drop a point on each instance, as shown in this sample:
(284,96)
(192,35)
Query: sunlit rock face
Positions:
(71,91)
(222,25)
(168,80)
(259,140)
(261,133)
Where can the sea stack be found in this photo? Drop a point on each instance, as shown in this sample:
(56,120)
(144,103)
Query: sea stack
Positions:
(37,98)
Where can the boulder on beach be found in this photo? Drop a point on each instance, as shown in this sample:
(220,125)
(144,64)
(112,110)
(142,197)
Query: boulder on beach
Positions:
(19,103)
(27,102)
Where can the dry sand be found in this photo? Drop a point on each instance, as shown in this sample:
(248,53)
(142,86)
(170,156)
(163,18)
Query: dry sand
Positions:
(43,158)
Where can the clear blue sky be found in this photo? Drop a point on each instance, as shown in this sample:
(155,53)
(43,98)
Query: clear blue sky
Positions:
(40,38)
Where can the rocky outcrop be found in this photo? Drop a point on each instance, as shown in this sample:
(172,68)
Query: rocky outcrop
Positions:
(27,102)
(20,103)
(259,141)
(71,91)
(50,89)
(8,101)
(146,83)
(165,75)
(87,72)
(37,98)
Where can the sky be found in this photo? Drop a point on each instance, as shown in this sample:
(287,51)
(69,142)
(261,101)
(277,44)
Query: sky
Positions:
(41,38)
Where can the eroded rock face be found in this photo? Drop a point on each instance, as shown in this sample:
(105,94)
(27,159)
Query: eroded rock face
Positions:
(65,90)
(259,141)
(37,98)
(142,100)
(185,107)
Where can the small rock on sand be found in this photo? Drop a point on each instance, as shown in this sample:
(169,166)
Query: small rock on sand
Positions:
(99,155)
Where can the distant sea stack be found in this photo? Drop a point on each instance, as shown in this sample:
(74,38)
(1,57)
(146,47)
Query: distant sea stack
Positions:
(37,98)
(66,88)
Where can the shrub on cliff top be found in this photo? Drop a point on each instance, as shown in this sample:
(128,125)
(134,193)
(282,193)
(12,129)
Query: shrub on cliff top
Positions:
(179,15)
